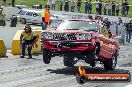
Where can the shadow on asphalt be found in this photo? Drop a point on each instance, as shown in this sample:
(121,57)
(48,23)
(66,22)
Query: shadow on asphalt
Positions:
(89,70)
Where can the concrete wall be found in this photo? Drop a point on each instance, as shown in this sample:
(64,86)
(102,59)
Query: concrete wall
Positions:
(7,35)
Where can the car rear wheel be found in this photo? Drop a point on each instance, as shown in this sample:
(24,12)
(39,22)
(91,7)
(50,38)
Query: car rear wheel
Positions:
(23,21)
(111,64)
(68,61)
(46,56)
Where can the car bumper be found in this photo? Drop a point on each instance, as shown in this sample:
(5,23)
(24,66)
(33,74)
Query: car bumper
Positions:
(68,45)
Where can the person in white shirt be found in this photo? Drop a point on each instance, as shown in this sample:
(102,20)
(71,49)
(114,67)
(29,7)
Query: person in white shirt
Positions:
(109,8)
(53,2)
(105,8)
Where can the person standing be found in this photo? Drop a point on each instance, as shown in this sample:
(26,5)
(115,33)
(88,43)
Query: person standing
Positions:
(61,4)
(45,17)
(97,6)
(79,6)
(27,39)
(109,8)
(90,7)
(113,8)
(105,7)
(100,7)
(126,7)
(129,31)
(72,5)
(117,8)
(4,3)
(53,3)
(66,6)
(86,6)
(2,17)
(13,3)
(123,8)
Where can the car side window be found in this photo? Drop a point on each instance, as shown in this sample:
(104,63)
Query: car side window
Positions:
(29,13)
(22,12)
(35,14)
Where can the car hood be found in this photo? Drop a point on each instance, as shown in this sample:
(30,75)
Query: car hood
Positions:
(68,31)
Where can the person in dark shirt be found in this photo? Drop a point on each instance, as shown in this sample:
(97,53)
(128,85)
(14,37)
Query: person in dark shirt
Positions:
(86,6)
(107,23)
(100,7)
(66,6)
(128,31)
(79,5)
(113,8)
(126,8)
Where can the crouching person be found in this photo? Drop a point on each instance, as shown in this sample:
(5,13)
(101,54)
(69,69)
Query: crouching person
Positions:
(27,40)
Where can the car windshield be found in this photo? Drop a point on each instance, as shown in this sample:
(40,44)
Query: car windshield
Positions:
(78,25)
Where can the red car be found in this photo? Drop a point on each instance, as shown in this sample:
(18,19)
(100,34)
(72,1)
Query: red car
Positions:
(81,39)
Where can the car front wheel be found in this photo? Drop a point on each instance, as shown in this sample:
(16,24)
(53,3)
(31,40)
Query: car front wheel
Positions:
(46,56)
(23,21)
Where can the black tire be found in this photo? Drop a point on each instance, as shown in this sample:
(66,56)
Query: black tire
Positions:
(111,64)
(80,79)
(23,21)
(46,56)
(92,57)
(68,61)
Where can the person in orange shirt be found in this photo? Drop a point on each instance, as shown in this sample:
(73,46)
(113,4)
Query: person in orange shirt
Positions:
(45,17)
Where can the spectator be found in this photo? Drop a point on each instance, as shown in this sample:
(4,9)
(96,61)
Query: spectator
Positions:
(53,2)
(100,7)
(128,31)
(117,8)
(4,2)
(121,31)
(72,5)
(126,7)
(90,7)
(86,6)
(79,5)
(48,3)
(28,38)
(109,8)
(106,24)
(123,8)
(105,7)
(45,18)
(2,17)
(66,6)
(97,7)
(113,8)
(13,3)
(61,4)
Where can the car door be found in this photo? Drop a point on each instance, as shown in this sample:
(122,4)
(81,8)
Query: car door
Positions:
(36,18)
(29,17)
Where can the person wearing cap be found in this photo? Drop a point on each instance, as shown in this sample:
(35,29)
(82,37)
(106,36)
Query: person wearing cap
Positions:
(45,17)
(27,39)
(129,31)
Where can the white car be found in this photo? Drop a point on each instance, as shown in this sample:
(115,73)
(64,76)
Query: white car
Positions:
(30,16)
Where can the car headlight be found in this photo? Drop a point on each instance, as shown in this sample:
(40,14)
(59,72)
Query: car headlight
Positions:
(83,37)
(47,35)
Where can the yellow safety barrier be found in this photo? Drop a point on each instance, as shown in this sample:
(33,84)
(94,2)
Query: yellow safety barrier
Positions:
(16,45)
(3,49)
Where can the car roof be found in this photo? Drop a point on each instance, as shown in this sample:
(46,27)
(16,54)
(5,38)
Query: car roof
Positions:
(32,10)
